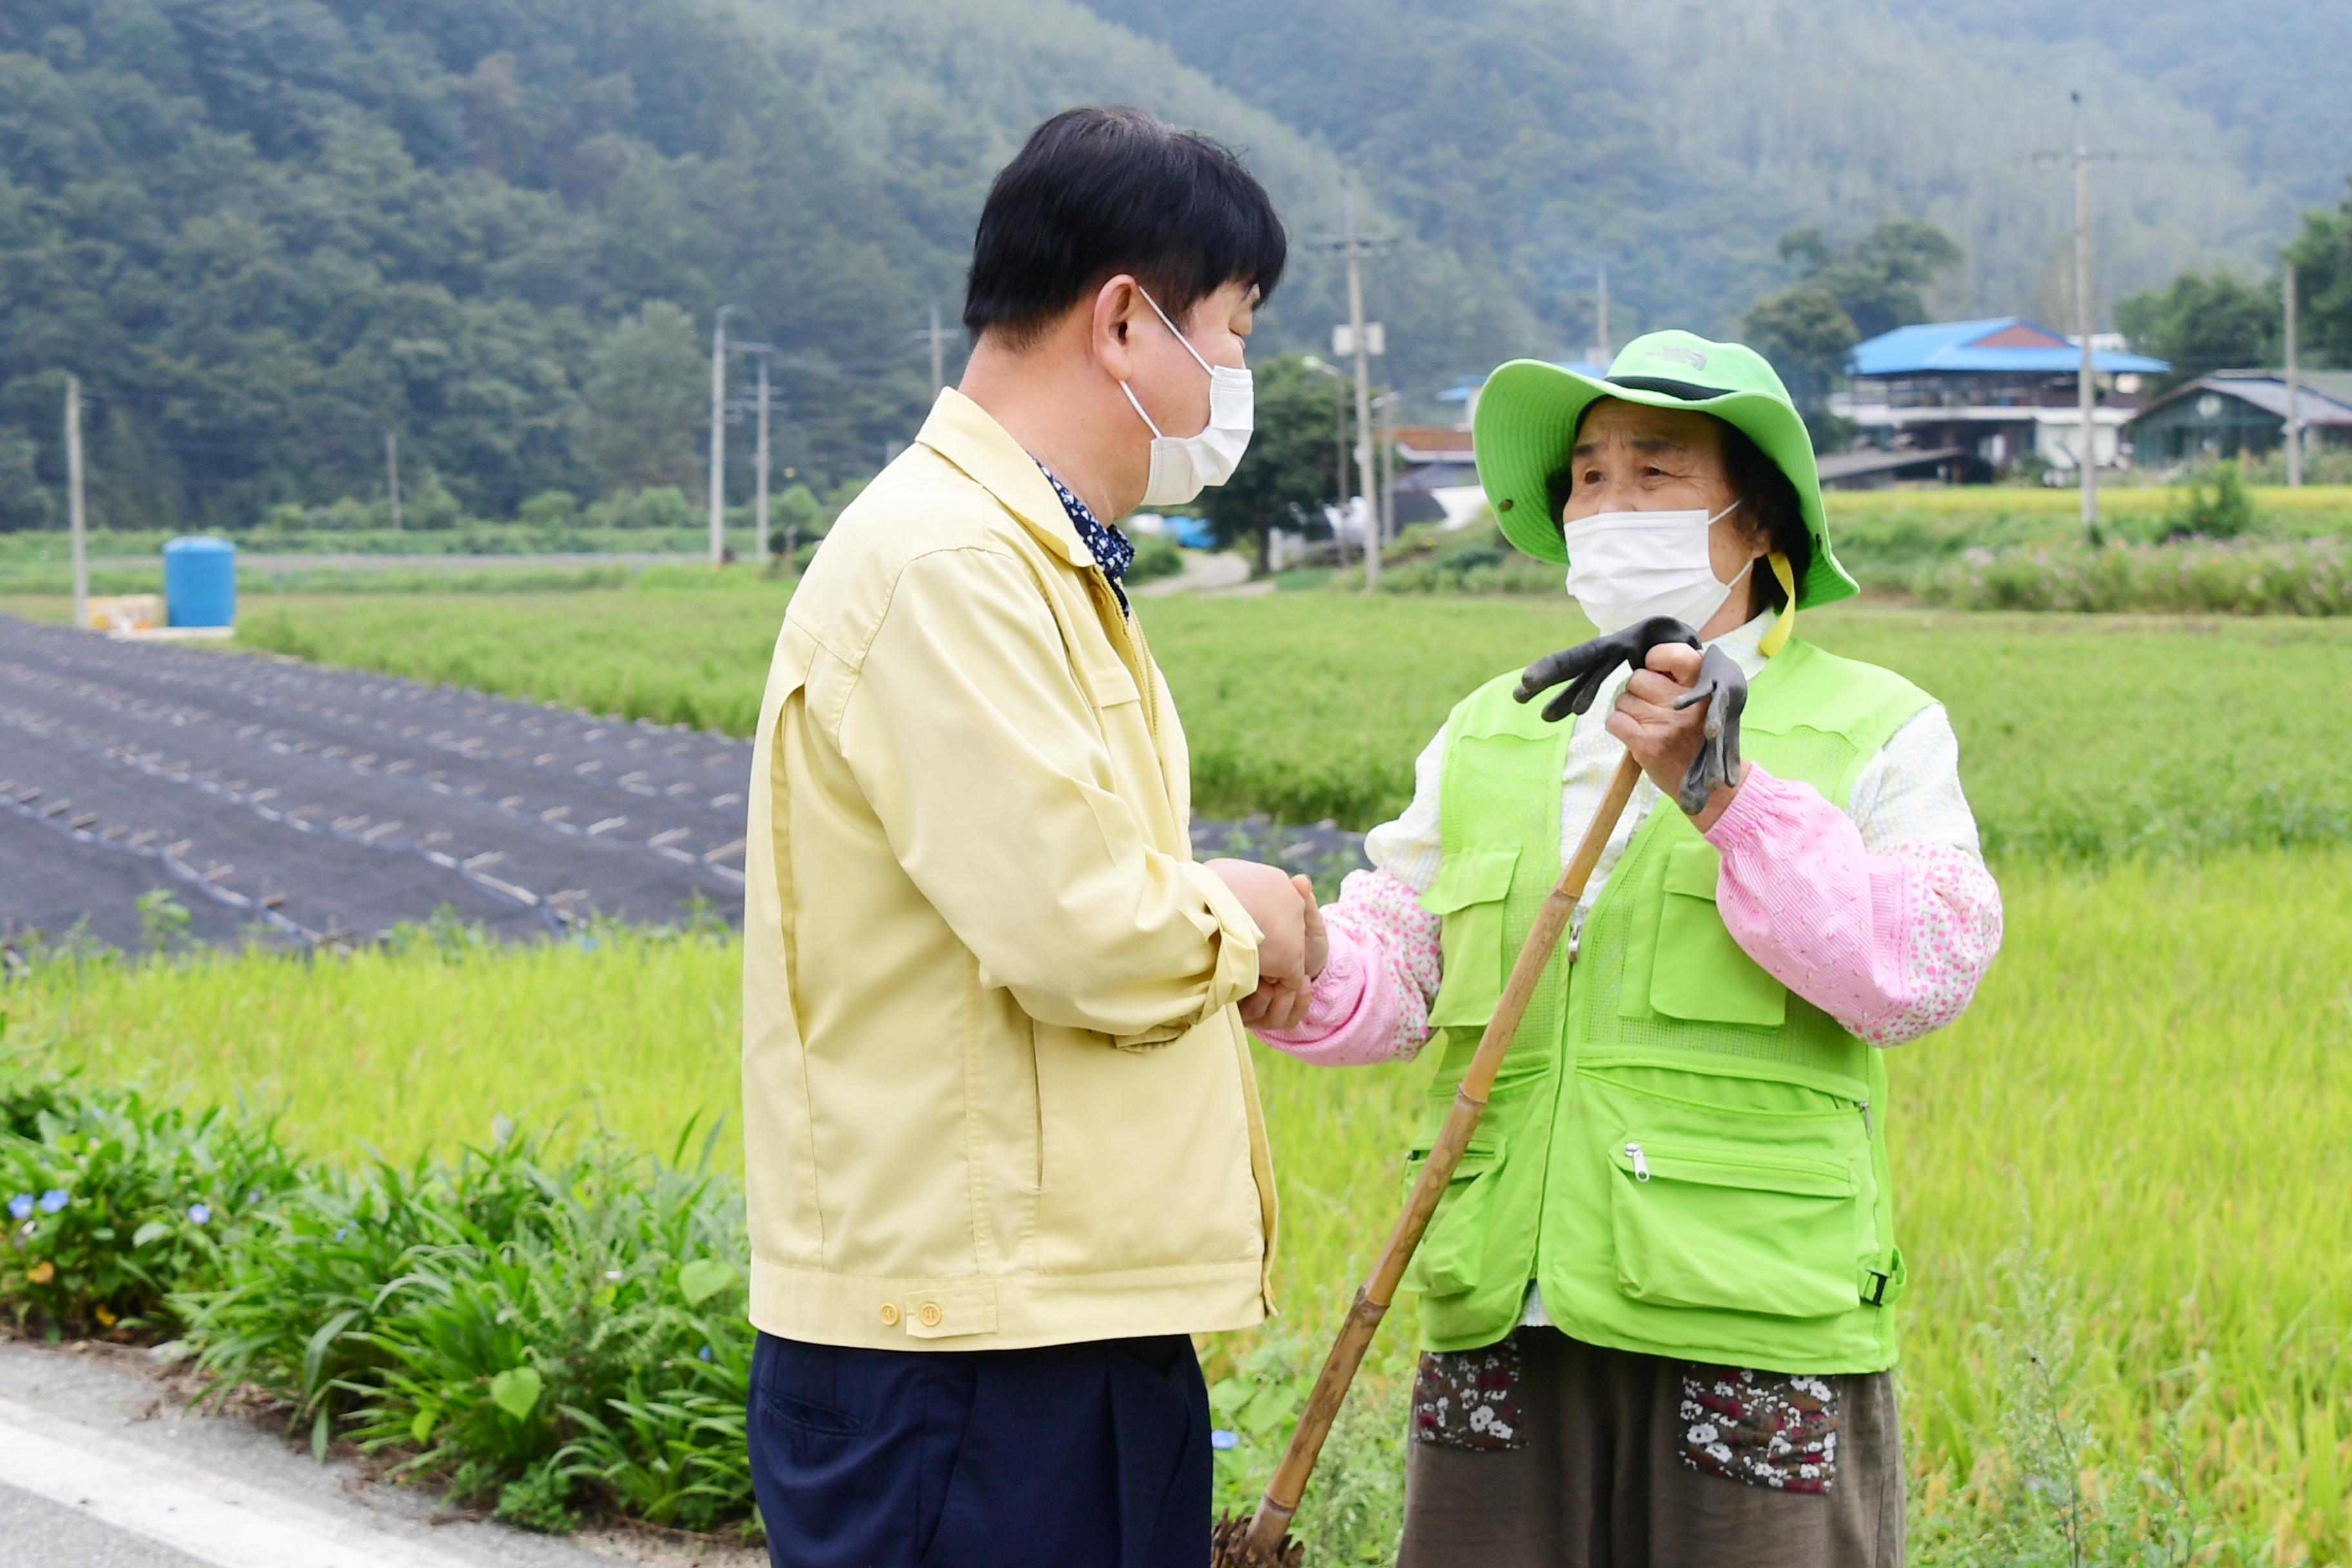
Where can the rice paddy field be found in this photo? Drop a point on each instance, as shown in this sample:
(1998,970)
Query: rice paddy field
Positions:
(2121,1176)
(2082,738)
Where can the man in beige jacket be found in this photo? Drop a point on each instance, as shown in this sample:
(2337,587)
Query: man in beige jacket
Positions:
(1002,1139)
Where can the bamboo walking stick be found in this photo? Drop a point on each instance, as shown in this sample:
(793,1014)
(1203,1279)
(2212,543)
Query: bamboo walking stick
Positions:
(1262,1540)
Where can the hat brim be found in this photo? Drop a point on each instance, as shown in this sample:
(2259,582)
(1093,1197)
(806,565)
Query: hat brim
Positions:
(1527,419)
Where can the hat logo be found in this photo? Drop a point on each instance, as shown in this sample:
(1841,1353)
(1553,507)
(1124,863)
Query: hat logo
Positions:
(1691,357)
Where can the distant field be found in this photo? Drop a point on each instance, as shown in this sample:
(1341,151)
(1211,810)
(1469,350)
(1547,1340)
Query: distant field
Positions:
(2151,1089)
(1886,531)
(2083,737)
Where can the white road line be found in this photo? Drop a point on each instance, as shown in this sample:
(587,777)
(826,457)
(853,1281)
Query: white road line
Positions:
(216,1519)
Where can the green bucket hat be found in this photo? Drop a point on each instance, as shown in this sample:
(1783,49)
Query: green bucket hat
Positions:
(1527,414)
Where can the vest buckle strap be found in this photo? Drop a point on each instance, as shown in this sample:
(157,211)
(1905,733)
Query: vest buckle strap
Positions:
(1879,1280)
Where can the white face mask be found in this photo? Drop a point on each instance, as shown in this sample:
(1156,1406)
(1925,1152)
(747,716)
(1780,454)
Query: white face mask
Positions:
(1625,566)
(1182,465)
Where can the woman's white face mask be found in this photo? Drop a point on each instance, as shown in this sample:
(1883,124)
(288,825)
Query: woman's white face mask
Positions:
(1625,566)
(1182,466)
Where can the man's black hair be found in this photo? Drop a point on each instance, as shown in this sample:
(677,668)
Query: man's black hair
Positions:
(1097,192)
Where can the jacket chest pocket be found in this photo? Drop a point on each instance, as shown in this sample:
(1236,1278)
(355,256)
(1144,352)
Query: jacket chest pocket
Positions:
(1108,683)
(1468,896)
(1697,972)
(1124,718)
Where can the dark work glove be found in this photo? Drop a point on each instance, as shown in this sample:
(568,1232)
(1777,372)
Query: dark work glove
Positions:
(1724,688)
(1589,664)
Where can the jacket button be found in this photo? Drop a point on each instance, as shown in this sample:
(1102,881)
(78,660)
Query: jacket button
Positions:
(930,1314)
(889,1315)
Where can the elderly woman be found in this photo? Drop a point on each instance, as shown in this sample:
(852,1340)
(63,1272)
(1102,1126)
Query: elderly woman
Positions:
(1654,1302)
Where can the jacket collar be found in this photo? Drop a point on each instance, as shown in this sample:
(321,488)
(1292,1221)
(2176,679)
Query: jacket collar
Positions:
(962,431)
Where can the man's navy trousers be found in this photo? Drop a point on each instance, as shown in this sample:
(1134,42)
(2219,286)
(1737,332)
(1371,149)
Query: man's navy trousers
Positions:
(1085,1456)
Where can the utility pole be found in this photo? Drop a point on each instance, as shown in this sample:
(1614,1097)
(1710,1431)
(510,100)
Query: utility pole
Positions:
(75,517)
(719,436)
(1340,446)
(1363,399)
(391,473)
(759,407)
(939,354)
(1388,465)
(2085,387)
(760,464)
(2293,409)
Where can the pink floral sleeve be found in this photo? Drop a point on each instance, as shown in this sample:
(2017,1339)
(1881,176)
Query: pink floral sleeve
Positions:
(1371,1001)
(1891,945)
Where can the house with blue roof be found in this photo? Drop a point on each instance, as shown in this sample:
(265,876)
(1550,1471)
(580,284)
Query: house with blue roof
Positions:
(1999,392)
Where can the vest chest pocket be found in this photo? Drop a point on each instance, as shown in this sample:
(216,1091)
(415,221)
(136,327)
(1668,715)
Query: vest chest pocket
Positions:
(1468,896)
(1698,972)
(1740,1230)
(1452,1254)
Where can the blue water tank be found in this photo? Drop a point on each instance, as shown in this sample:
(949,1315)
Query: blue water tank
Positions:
(200,582)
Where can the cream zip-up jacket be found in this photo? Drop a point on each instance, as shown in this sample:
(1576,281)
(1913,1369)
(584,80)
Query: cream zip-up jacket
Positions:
(995,1092)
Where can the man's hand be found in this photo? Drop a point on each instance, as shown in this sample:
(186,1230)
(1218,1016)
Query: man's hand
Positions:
(1664,716)
(1294,948)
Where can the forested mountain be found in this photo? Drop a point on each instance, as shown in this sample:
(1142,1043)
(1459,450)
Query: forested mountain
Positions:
(266,233)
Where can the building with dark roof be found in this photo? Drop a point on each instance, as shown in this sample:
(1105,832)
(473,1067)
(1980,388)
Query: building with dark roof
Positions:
(2233,413)
(2000,391)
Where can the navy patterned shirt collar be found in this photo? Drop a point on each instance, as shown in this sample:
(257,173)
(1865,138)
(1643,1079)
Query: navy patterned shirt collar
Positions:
(1113,552)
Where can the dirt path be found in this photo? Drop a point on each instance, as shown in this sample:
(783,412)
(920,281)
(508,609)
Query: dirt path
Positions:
(1203,573)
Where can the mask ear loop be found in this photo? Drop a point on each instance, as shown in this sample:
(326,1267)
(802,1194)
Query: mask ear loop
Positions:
(1778,637)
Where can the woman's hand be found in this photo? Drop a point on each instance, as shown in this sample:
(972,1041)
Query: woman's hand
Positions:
(1277,1007)
(1295,948)
(1664,739)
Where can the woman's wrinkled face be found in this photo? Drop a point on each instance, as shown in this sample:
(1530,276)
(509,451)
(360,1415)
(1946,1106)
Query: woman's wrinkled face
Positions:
(1629,457)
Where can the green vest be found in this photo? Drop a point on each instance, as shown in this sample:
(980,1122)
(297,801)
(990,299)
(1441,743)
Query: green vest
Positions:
(1688,1160)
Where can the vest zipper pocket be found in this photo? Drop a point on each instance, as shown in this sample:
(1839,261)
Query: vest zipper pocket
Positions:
(1733,1230)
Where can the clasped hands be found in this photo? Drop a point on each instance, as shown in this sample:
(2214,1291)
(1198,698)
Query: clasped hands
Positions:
(1292,951)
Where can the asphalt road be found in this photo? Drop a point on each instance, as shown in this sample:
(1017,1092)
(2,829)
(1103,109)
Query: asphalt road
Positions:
(103,1465)
(327,806)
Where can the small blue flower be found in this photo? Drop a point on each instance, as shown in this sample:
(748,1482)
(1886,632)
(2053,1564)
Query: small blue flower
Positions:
(53,1200)
(200,1213)
(252,1197)
(341,1231)
(702,1354)
(21,1206)
(1221,1438)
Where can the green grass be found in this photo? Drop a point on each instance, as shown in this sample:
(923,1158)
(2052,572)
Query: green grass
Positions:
(2153,1078)
(2079,737)
(397,1050)
(2085,737)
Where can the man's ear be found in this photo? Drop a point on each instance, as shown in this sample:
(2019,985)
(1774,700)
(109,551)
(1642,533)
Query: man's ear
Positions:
(1112,329)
